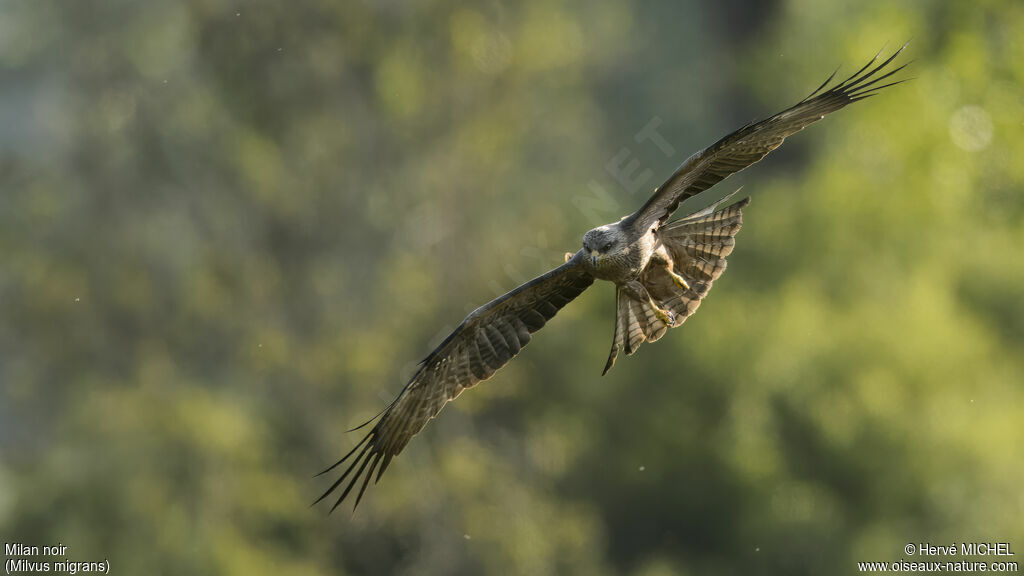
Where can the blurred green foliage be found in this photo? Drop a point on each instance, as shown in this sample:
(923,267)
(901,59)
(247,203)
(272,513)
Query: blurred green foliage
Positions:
(229,230)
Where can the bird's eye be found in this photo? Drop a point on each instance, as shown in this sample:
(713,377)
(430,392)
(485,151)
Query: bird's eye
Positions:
(606,247)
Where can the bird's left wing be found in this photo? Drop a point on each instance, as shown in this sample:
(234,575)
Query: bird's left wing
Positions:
(485,341)
(754,141)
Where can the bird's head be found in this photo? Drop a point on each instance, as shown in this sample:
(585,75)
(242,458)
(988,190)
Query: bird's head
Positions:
(600,242)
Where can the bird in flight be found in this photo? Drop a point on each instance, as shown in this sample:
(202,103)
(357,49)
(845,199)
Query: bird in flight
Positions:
(661,269)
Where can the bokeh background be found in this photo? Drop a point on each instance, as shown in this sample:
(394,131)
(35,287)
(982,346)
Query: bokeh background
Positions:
(229,230)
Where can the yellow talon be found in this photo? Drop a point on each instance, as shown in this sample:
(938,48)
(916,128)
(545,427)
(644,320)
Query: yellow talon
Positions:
(661,314)
(679,281)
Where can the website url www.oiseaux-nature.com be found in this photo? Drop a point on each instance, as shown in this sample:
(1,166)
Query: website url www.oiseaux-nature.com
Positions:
(946,563)
(961,566)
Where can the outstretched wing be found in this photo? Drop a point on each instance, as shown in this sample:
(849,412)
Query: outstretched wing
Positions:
(754,141)
(485,341)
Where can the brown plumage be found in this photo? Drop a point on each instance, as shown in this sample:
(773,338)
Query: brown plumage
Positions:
(662,271)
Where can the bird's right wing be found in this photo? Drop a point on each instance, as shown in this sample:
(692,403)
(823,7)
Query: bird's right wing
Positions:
(754,141)
(485,341)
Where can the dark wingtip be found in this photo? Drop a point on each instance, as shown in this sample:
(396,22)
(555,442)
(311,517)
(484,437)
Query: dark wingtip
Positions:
(859,80)
(375,416)
(874,90)
(823,84)
(366,481)
(369,454)
(352,482)
(608,366)
(614,353)
(343,458)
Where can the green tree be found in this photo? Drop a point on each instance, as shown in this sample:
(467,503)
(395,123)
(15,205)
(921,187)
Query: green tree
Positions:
(229,230)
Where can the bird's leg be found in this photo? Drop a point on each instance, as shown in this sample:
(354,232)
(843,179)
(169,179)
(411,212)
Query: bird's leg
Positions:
(678,280)
(662,315)
(665,261)
(661,257)
(637,291)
